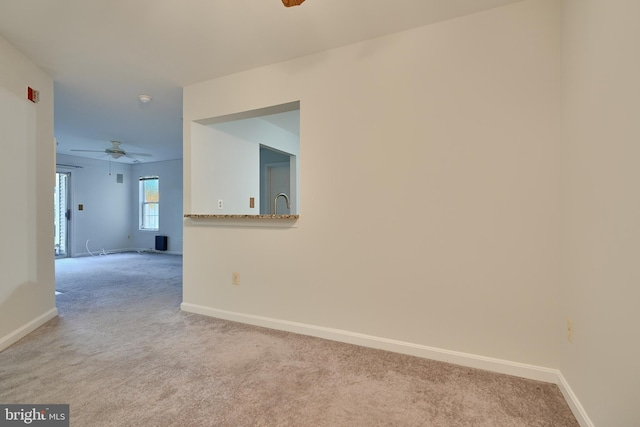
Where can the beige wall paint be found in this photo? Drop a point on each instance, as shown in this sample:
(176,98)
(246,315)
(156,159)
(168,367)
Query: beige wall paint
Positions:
(429,177)
(26,219)
(601,271)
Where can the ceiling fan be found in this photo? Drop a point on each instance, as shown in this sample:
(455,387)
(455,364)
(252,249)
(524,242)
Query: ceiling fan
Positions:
(115,152)
(289,3)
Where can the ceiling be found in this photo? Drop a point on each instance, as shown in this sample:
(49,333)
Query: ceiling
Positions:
(102,54)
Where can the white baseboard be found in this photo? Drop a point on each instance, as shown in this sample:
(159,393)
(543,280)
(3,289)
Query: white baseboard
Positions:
(25,330)
(101,252)
(501,366)
(121,251)
(464,359)
(573,402)
(154,251)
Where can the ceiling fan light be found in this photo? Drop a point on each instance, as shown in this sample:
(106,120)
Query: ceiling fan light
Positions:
(116,155)
(289,3)
(146,98)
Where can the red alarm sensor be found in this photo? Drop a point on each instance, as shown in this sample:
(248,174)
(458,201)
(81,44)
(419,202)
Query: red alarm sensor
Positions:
(33,95)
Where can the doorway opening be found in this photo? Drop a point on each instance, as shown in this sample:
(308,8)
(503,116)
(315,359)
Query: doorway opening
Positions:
(275,179)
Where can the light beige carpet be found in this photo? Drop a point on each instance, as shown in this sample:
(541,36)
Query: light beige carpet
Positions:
(121,353)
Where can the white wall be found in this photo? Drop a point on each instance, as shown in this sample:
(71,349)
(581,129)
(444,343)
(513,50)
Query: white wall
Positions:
(601,226)
(429,190)
(26,218)
(105,221)
(226,167)
(171,216)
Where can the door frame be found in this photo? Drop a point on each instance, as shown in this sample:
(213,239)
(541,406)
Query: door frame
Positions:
(268,181)
(67,215)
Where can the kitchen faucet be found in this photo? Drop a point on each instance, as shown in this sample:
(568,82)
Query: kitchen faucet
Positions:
(275,203)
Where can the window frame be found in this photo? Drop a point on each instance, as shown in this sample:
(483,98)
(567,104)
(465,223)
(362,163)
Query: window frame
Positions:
(144,204)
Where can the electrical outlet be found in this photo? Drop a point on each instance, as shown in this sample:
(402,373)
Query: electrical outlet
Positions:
(235,278)
(220,204)
(570,330)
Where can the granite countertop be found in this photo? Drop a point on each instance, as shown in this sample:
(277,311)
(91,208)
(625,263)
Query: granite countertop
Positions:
(212,216)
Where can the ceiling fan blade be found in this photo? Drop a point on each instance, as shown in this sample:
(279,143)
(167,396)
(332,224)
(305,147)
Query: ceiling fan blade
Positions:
(90,151)
(139,154)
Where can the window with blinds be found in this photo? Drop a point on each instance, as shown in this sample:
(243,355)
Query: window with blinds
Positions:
(149,203)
